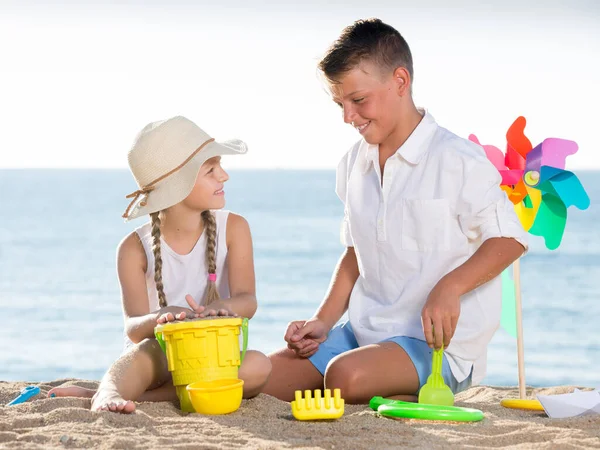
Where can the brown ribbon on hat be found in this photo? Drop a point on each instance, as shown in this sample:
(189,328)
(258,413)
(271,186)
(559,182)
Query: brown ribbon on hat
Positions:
(150,186)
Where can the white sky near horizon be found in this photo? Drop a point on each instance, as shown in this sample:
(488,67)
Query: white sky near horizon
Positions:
(79,79)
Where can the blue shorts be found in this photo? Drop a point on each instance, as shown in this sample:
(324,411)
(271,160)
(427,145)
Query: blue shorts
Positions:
(341,339)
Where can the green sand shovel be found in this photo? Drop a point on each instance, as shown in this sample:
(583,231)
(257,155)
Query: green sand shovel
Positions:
(435,391)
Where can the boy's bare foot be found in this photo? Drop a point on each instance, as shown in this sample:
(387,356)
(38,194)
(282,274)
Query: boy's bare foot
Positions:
(106,400)
(71,391)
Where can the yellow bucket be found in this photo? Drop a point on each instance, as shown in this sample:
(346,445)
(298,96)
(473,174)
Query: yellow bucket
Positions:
(202,350)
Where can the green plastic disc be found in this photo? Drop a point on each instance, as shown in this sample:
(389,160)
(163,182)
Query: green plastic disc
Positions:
(407,410)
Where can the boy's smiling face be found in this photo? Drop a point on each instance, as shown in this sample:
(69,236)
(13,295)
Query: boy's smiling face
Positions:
(370,99)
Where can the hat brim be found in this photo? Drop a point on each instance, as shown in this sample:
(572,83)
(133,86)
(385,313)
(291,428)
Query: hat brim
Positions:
(177,186)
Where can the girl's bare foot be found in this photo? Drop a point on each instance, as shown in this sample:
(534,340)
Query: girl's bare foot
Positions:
(102,400)
(108,400)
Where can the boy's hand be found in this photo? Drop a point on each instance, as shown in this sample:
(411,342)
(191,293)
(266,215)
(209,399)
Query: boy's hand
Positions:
(440,313)
(304,336)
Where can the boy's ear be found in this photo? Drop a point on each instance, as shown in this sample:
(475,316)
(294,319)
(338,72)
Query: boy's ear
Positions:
(402,80)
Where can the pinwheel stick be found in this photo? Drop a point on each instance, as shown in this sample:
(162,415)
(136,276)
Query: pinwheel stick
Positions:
(520,351)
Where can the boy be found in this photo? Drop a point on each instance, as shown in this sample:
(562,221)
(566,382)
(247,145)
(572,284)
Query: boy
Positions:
(427,230)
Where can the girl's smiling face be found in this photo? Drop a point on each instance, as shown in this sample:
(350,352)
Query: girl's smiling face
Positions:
(208,191)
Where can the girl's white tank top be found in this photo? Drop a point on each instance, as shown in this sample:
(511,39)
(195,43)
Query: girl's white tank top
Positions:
(185,274)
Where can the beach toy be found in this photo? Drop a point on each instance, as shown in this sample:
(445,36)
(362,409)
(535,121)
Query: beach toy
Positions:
(26,394)
(537,183)
(204,349)
(217,396)
(435,391)
(316,408)
(528,405)
(406,410)
(575,404)
(541,190)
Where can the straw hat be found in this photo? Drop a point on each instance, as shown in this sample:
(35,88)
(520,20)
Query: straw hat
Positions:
(165,159)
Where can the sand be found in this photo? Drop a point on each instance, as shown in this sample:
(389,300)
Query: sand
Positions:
(266,423)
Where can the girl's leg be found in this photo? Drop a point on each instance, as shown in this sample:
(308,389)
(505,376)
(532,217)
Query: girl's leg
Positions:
(255,371)
(71,391)
(142,368)
(164,393)
(383,369)
(126,378)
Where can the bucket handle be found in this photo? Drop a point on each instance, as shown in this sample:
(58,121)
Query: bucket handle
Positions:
(245,338)
(161,341)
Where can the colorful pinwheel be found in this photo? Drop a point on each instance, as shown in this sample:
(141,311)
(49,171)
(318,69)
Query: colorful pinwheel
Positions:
(537,183)
(541,189)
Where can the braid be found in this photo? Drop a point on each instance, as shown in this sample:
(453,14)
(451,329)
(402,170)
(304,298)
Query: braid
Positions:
(162,300)
(210,226)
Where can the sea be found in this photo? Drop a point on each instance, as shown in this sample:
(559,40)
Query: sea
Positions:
(60,302)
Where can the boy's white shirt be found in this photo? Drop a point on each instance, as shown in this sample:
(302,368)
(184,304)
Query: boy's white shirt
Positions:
(440,200)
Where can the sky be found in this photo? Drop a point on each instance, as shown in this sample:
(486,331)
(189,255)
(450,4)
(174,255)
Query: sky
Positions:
(79,79)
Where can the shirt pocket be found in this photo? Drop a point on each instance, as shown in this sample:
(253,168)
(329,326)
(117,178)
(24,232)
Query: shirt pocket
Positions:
(425,225)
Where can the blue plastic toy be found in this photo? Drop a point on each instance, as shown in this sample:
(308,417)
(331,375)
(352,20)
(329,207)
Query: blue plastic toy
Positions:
(26,394)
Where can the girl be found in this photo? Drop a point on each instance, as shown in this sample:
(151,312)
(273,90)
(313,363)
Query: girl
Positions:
(191,260)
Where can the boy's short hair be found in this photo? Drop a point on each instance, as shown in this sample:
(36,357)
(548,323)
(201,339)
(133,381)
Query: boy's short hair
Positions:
(366,40)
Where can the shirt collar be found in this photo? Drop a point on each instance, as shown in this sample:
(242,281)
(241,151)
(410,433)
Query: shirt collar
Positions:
(413,148)
(371,154)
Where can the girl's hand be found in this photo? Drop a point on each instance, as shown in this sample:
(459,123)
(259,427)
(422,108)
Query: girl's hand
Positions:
(210,311)
(214,309)
(171,313)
